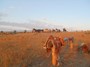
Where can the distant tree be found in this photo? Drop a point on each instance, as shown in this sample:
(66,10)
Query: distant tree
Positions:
(25,31)
(14,31)
(33,30)
(58,30)
(53,30)
(64,30)
(1,31)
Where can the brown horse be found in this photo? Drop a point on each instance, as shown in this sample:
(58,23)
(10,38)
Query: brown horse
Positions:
(54,44)
(84,47)
(70,41)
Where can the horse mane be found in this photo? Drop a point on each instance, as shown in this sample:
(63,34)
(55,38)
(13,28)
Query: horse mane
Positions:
(53,41)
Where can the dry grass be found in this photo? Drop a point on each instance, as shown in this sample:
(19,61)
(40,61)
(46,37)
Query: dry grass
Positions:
(25,50)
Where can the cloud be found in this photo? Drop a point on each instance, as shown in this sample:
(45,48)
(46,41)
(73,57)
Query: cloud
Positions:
(29,25)
(3,14)
(11,28)
(11,7)
(4,11)
(45,20)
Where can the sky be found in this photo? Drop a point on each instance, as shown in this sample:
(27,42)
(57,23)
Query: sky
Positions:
(68,13)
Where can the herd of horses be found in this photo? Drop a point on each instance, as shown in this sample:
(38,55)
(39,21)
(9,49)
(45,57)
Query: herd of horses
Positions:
(46,30)
(54,44)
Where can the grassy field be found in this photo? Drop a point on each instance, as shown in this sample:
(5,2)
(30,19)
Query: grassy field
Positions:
(26,50)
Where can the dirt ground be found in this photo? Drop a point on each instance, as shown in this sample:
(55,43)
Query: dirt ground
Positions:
(26,50)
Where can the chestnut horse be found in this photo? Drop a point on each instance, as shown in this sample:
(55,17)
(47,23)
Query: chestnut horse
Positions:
(54,44)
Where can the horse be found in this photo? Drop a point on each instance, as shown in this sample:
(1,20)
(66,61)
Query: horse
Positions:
(70,41)
(54,44)
(84,48)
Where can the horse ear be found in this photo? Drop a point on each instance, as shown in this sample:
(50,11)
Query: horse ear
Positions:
(62,42)
(51,37)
